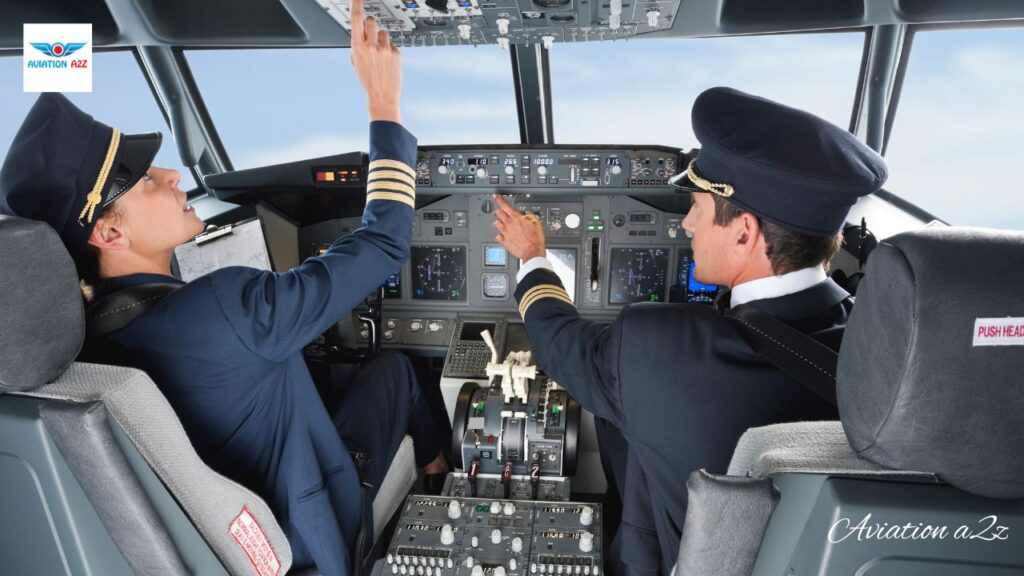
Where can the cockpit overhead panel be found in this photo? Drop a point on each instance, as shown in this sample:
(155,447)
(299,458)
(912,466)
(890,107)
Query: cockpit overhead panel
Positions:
(505,22)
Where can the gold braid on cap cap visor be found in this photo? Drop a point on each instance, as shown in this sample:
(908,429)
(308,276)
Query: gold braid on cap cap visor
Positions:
(723,190)
(95,196)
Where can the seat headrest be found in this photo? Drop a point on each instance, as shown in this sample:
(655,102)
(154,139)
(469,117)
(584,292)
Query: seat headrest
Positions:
(40,305)
(930,369)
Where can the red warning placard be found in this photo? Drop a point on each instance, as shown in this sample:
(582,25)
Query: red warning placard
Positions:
(248,533)
(999,332)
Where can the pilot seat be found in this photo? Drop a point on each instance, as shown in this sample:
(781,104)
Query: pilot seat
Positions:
(97,474)
(925,472)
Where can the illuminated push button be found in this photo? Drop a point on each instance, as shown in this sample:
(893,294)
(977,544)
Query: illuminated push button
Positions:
(475,543)
(533,567)
(437,571)
(503,42)
(469,559)
(502,25)
(464,31)
(404,570)
(447,537)
(499,571)
(652,18)
(596,570)
(586,542)
(477,570)
(572,221)
(512,564)
(448,563)
(509,509)
(434,326)
(433,561)
(415,326)
(587,516)
(454,510)
(517,545)
(391,559)
(547,41)
(496,536)
(495,507)
(394,568)
(586,571)
(419,570)
(392,324)
(579,569)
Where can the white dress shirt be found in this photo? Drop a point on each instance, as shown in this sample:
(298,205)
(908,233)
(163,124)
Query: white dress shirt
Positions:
(775,286)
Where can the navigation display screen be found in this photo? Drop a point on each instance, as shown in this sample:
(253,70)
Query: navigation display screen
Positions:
(564,262)
(638,275)
(439,273)
(695,291)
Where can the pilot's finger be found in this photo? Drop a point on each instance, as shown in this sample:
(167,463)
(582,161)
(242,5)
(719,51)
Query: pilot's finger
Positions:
(357,21)
(382,38)
(501,216)
(500,238)
(505,207)
(371,30)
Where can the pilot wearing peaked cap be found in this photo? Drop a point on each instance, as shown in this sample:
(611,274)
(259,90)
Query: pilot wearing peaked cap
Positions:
(674,386)
(64,168)
(226,348)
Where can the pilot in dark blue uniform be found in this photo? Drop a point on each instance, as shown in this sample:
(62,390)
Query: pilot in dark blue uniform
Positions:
(677,384)
(225,349)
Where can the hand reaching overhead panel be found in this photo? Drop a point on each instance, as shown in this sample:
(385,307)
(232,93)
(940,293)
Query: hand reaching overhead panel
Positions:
(378,65)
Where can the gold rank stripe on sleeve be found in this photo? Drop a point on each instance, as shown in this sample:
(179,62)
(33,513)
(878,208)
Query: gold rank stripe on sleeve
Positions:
(539,292)
(391,180)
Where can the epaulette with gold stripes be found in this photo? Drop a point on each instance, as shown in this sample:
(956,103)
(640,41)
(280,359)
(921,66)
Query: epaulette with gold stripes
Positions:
(391,180)
(539,292)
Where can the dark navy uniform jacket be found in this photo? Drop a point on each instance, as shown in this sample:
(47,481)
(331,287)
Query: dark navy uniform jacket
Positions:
(225,349)
(682,386)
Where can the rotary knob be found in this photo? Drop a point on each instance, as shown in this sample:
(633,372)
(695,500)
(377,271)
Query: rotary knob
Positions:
(495,507)
(481,173)
(502,25)
(478,570)
(586,542)
(652,18)
(547,41)
(442,169)
(616,169)
(434,326)
(587,516)
(503,42)
(555,225)
(464,31)
(447,535)
(509,509)
(499,571)
(416,326)
(454,510)
(542,170)
(389,334)
(572,220)
(510,170)
(392,324)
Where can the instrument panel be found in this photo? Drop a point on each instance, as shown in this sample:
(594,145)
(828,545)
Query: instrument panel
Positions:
(609,239)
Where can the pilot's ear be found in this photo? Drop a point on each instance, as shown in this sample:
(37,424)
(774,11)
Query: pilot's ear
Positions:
(108,234)
(748,230)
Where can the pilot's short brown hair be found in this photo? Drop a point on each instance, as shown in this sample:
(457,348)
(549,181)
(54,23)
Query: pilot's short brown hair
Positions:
(788,251)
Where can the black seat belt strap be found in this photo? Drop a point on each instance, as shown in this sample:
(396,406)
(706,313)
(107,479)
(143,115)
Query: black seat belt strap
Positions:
(799,356)
(364,542)
(115,311)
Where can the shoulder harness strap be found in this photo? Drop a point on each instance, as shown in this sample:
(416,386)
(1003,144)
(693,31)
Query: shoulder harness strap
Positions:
(800,356)
(115,311)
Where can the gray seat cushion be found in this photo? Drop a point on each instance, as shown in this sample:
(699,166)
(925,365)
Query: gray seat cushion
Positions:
(235,522)
(396,484)
(820,447)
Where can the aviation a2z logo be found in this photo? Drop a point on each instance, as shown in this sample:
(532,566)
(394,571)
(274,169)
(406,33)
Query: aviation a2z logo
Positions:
(57,58)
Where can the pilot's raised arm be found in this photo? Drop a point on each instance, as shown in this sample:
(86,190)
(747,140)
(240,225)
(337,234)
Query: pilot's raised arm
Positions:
(225,348)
